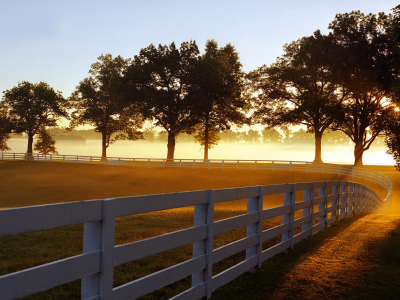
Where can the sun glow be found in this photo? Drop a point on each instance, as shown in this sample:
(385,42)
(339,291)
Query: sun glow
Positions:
(397,109)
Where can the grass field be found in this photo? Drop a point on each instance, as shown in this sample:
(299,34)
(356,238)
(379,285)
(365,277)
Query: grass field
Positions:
(30,183)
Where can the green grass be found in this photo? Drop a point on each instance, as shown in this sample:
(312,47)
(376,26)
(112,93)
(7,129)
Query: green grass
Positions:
(45,183)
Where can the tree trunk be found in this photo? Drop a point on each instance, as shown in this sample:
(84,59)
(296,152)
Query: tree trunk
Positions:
(171,145)
(318,140)
(104,144)
(30,143)
(206,139)
(358,154)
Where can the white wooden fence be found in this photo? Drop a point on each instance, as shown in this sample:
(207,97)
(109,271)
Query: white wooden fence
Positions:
(335,200)
(354,172)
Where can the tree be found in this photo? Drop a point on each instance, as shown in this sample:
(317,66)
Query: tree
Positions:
(271,135)
(396,48)
(161,77)
(217,92)
(45,144)
(5,130)
(301,87)
(212,138)
(100,101)
(368,76)
(32,107)
(392,137)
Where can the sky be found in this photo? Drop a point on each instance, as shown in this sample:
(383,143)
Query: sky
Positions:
(57,41)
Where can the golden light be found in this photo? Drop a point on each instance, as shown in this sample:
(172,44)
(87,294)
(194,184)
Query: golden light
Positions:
(397,109)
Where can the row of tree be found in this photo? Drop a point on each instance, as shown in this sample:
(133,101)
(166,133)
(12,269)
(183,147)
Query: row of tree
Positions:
(347,80)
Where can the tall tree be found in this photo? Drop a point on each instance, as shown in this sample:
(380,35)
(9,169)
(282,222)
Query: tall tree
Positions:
(5,130)
(301,88)
(368,76)
(32,107)
(162,78)
(99,100)
(396,49)
(217,90)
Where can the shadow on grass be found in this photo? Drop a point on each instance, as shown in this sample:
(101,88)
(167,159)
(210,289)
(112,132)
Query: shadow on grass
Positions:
(381,280)
(274,271)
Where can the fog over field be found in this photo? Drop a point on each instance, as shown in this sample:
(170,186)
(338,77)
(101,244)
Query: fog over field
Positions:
(224,150)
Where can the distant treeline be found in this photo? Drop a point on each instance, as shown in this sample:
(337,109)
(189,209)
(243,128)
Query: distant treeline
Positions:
(266,136)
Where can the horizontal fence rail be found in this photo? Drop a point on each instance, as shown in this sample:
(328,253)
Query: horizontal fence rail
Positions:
(335,200)
(347,170)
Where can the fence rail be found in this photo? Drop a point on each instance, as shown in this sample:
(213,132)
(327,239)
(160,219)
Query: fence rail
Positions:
(335,200)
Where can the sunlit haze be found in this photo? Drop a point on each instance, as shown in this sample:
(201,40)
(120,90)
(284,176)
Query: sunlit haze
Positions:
(57,41)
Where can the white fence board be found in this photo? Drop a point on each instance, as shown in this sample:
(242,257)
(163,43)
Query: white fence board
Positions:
(275,231)
(234,222)
(301,236)
(233,272)
(234,194)
(155,281)
(234,247)
(302,204)
(196,292)
(26,282)
(276,211)
(141,204)
(137,250)
(272,251)
(41,217)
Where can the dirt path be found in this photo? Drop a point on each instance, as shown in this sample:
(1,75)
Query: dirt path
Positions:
(360,262)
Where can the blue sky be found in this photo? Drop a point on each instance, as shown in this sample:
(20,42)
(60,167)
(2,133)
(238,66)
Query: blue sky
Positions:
(57,41)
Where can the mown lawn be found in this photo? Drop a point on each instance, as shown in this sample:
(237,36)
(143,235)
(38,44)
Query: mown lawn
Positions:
(30,183)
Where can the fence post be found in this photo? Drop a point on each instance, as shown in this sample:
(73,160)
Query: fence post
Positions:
(342,198)
(199,247)
(209,243)
(90,285)
(107,248)
(306,167)
(321,206)
(63,158)
(350,208)
(287,218)
(251,229)
(335,190)
(307,211)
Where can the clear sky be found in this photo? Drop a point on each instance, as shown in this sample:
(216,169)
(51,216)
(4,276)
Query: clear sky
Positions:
(57,41)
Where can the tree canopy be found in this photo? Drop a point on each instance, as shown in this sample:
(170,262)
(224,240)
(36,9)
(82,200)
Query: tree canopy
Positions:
(217,88)
(100,101)
(32,107)
(368,76)
(302,87)
(161,76)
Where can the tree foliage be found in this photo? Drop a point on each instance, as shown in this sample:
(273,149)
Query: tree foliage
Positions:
(162,78)
(45,144)
(100,101)
(301,87)
(5,130)
(218,85)
(32,107)
(368,76)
